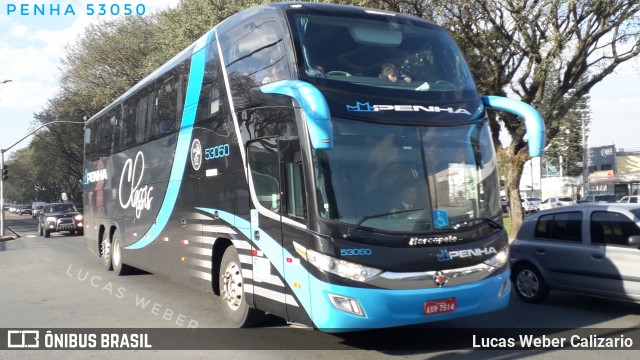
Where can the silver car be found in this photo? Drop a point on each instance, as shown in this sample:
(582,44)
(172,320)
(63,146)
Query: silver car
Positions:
(590,249)
(632,199)
(556,201)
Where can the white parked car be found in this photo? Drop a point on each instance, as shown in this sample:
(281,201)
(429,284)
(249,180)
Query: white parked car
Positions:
(556,201)
(632,199)
(530,204)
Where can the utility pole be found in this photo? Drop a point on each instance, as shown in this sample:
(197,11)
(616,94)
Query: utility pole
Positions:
(2,181)
(2,151)
(585,174)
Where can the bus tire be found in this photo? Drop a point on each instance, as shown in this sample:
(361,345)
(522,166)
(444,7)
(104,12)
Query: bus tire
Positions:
(119,268)
(232,295)
(105,253)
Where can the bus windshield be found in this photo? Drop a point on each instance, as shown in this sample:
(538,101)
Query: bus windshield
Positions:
(382,51)
(407,178)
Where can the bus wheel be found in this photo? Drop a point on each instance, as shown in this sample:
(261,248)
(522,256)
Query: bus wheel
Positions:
(105,253)
(116,257)
(234,301)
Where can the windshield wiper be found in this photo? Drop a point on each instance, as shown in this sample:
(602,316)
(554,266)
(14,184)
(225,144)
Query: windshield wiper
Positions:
(368,217)
(470,222)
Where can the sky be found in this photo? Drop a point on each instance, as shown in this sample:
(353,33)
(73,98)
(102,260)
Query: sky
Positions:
(32,44)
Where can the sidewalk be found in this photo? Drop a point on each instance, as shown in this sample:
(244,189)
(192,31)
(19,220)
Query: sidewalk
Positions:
(9,234)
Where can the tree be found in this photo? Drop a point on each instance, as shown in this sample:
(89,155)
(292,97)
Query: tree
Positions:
(568,141)
(106,60)
(549,53)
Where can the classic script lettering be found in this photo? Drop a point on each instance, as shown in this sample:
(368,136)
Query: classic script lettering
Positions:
(139,197)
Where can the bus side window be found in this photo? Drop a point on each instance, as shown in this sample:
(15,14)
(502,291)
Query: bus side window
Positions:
(211,111)
(144,117)
(263,162)
(294,201)
(102,137)
(254,55)
(170,92)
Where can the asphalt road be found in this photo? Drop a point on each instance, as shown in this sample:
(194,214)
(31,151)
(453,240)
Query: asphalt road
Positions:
(58,283)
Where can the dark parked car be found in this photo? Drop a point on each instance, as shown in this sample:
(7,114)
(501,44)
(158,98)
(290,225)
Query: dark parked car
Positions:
(59,217)
(504,203)
(591,249)
(36,210)
(24,209)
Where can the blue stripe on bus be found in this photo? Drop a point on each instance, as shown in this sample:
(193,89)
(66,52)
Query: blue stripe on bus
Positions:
(196,74)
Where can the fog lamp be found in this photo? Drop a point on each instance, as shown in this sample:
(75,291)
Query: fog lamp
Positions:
(346,304)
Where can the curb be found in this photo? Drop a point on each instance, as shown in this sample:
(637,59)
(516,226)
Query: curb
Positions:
(9,237)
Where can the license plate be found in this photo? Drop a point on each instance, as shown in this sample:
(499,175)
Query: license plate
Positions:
(439,306)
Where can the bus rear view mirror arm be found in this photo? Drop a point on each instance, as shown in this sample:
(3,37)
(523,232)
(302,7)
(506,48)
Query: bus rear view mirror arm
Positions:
(259,97)
(532,120)
(314,106)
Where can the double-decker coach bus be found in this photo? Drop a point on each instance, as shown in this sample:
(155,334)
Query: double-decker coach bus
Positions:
(331,165)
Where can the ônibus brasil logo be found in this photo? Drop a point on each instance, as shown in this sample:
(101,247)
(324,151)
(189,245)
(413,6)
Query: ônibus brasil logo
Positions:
(366,107)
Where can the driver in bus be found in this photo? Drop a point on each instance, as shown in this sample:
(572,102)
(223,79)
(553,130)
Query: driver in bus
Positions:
(407,199)
(390,73)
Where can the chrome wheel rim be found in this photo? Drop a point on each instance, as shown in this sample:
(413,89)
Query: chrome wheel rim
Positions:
(231,289)
(116,253)
(106,251)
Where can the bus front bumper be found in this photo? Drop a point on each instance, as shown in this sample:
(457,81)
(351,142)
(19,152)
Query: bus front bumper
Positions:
(382,308)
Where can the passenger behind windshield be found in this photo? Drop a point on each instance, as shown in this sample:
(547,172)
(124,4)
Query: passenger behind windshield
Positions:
(387,53)
(390,73)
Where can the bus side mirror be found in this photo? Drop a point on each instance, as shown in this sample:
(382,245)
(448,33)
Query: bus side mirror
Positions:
(532,120)
(259,97)
(314,105)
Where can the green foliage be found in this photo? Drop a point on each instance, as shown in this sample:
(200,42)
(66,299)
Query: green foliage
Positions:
(108,59)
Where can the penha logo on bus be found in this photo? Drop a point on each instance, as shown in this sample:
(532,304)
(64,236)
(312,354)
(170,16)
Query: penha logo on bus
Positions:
(366,107)
(446,255)
(94,176)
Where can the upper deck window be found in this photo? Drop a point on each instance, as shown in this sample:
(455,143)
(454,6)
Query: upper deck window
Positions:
(379,51)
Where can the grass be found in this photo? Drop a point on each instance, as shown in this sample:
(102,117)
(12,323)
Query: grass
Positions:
(506,220)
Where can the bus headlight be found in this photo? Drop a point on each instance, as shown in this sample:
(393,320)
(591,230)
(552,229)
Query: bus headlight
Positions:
(500,260)
(345,269)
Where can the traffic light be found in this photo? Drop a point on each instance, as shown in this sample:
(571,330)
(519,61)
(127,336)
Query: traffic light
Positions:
(5,172)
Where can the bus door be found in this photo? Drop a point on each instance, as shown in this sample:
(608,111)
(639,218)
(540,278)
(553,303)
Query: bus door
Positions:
(276,170)
(266,227)
(293,210)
